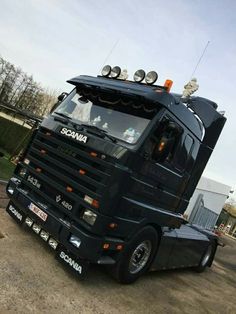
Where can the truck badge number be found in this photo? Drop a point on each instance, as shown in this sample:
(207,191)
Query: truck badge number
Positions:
(75,135)
(63,202)
(34,181)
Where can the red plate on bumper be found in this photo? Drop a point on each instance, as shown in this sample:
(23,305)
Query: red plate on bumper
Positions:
(35,209)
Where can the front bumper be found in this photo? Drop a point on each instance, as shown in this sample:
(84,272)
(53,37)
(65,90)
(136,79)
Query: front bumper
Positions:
(90,248)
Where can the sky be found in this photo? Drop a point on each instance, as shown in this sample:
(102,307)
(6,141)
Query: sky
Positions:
(56,40)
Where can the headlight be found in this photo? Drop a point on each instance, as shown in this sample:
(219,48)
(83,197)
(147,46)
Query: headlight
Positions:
(151,77)
(89,216)
(106,70)
(139,76)
(10,190)
(115,72)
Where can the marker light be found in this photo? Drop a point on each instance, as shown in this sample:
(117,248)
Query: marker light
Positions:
(151,77)
(139,76)
(53,243)
(44,235)
(106,70)
(28,222)
(168,84)
(115,72)
(36,228)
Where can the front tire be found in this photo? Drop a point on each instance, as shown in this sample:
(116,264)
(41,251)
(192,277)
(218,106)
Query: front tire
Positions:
(137,256)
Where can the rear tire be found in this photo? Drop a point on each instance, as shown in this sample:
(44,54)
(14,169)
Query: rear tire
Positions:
(137,256)
(205,259)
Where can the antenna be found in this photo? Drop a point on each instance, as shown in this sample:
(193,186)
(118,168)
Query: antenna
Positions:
(200,59)
(110,52)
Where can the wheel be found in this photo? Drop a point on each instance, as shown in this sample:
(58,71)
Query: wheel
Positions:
(137,256)
(205,259)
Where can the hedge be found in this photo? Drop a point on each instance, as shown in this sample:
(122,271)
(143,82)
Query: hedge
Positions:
(13,136)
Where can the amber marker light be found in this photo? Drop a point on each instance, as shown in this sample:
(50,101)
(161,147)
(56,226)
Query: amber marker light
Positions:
(82,172)
(42,151)
(95,203)
(69,189)
(161,146)
(48,133)
(93,154)
(38,170)
(119,247)
(112,225)
(106,246)
(168,84)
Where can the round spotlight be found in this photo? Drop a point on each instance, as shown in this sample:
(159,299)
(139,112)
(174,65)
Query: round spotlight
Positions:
(115,72)
(106,70)
(151,77)
(139,76)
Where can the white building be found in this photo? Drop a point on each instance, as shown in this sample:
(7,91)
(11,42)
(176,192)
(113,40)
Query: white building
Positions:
(207,202)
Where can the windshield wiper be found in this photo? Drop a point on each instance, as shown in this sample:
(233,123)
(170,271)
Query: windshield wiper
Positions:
(104,133)
(62,115)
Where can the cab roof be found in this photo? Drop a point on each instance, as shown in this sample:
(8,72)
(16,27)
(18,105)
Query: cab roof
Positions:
(205,109)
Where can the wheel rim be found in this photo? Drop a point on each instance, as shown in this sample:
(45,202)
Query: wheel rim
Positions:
(140,257)
(206,256)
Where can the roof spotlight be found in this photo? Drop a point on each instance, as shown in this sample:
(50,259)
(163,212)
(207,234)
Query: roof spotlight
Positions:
(151,77)
(139,76)
(115,72)
(106,70)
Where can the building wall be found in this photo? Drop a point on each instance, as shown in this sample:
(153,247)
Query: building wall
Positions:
(214,195)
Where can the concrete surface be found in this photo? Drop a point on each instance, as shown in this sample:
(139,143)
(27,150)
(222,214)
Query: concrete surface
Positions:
(32,281)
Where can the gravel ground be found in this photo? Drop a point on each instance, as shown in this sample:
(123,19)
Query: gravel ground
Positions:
(32,281)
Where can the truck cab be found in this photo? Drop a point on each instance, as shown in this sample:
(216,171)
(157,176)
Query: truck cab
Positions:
(108,174)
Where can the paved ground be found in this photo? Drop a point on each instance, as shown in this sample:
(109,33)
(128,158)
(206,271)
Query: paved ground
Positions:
(32,281)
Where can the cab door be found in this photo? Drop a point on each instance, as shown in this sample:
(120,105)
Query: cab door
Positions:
(167,152)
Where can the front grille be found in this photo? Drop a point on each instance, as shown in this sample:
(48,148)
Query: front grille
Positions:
(60,164)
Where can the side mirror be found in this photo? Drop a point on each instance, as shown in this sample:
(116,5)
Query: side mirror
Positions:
(62,96)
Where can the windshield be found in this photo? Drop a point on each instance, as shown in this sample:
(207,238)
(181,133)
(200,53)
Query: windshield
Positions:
(121,125)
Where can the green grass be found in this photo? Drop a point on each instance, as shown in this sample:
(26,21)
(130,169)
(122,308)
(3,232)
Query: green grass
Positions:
(6,167)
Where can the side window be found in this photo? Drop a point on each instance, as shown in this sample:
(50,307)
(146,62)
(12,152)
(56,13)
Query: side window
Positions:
(183,152)
(164,141)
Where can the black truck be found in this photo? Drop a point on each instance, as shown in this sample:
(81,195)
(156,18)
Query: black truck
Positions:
(107,176)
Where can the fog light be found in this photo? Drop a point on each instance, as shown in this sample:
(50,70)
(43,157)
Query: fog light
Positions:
(53,243)
(44,235)
(28,222)
(10,190)
(36,228)
(106,70)
(115,72)
(139,76)
(151,77)
(89,216)
(75,241)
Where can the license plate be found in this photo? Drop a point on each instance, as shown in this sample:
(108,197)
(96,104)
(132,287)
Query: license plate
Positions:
(77,265)
(15,213)
(35,209)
